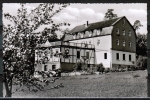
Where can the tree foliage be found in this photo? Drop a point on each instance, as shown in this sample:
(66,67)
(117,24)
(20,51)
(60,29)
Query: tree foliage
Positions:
(110,15)
(19,42)
(137,25)
(141,44)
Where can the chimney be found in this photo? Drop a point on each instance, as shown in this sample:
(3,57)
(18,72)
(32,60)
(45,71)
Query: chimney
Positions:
(87,23)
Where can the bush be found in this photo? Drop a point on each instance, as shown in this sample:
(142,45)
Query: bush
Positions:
(107,70)
(100,68)
(142,62)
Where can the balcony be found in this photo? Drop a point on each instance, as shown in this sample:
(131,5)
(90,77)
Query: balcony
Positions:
(72,44)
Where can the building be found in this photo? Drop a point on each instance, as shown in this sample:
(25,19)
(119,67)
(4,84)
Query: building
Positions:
(114,40)
(53,55)
(111,42)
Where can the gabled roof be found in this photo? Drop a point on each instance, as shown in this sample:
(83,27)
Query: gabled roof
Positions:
(106,26)
(96,25)
(78,29)
(103,24)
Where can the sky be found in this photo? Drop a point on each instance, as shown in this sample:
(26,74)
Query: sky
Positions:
(79,14)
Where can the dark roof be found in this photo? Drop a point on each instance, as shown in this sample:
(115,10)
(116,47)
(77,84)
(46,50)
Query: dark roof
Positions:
(102,24)
(78,29)
(96,25)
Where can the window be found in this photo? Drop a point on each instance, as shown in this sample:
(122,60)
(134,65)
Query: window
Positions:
(87,55)
(124,57)
(89,42)
(105,55)
(90,33)
(123,32)
(117,56)
(117,31)
(117,42)
(130,33)
(78,54)
(86,34)
(53,67)
(51,55)
(88,65)
(98,32)
(45,67)
(129,44)
(123,43)
(129,57)
(74,36)
(82,35)
(98,42)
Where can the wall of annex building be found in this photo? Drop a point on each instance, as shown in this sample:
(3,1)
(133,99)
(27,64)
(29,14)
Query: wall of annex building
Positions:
(102,45)
(51,62)
(74,57)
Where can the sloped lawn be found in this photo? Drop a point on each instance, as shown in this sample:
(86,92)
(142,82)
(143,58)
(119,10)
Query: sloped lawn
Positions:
(118,84)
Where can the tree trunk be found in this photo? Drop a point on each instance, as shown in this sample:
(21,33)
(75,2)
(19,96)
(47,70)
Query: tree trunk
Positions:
(8,90)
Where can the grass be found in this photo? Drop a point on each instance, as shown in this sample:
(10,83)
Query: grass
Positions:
(122,84)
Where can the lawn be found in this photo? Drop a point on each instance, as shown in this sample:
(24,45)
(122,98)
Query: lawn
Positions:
(113,84)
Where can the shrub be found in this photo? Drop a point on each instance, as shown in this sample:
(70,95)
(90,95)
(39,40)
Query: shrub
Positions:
(100,68)
(107,70)
(142,62)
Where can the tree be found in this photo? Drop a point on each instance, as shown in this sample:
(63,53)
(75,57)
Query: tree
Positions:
(19,45)
(110,15)
(141,44)
(137,25)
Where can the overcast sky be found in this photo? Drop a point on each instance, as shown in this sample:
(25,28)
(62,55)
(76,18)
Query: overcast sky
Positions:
(78,14)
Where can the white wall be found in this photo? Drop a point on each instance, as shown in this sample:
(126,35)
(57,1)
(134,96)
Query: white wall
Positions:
(103,47)
(121,61)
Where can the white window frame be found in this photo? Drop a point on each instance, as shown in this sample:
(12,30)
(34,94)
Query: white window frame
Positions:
(117,31)
(124,43)
(123,32)
(129,33)
(117,42)
(98,32)
(129,43)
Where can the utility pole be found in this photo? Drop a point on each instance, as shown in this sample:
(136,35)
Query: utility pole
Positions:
(148,53)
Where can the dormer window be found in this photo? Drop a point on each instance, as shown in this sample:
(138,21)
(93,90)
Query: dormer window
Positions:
(129,44)
(79,35)
(117,31)
(86,33)
(82,35)
(90,33)
(123,32)
(124,43)
(130,33)
(117,42)
(98,32)
(74,36)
